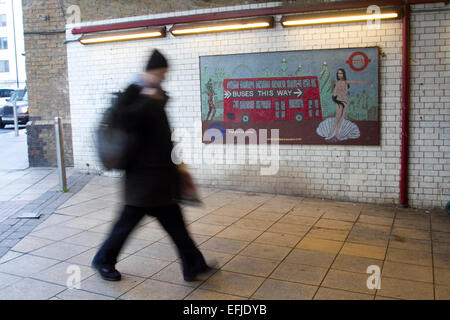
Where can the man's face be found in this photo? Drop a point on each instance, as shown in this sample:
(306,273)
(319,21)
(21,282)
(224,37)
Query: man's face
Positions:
(156,76)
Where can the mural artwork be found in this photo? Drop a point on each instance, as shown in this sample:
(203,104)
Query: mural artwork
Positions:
(312,97)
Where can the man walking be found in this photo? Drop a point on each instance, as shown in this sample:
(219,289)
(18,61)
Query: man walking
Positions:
(152,180)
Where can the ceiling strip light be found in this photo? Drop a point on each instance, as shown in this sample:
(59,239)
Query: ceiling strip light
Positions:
(220,26)
(155,33)
(290,21)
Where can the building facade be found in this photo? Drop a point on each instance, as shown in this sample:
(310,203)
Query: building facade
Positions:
(352,173)
(12,51)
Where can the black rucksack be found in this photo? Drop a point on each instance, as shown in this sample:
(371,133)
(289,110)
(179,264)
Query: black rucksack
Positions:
(113,142)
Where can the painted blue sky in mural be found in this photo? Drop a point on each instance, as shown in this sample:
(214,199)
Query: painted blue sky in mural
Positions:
(311,61)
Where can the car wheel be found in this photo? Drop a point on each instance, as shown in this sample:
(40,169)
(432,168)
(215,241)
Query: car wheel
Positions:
(245,118)
(299,117)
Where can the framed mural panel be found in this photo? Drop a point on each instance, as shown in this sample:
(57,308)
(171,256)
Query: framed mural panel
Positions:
(312,97)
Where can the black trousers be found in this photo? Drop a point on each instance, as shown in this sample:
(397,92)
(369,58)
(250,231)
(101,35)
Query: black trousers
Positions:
(171,219)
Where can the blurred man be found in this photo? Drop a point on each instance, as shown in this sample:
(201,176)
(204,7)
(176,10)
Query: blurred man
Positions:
(152,180)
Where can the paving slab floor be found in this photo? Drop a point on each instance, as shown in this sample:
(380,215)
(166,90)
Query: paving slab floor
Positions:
(266,246)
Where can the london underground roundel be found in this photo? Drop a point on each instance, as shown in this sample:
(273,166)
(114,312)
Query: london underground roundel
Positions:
(358,61)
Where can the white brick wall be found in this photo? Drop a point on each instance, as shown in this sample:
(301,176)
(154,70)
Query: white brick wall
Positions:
(429,171)
(355,173)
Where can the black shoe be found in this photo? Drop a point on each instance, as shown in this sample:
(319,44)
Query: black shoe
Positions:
(107,272)
(191,275)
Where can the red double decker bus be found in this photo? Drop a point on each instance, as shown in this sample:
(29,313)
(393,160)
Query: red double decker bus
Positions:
(271,99)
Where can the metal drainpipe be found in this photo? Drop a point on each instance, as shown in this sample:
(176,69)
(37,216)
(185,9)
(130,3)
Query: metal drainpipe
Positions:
(405,109)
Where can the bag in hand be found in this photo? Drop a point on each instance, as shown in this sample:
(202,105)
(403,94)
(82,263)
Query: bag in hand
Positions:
(188,191)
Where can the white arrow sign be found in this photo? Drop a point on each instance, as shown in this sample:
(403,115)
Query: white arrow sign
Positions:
(226,94)
(298,92)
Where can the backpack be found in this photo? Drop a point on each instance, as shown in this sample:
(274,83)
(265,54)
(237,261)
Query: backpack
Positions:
(113,142)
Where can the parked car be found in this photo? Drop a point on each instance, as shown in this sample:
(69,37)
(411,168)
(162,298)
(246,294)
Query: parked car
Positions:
(5,94)
(20,97)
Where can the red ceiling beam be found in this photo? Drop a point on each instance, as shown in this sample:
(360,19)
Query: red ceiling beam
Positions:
(235,15)
(424,1)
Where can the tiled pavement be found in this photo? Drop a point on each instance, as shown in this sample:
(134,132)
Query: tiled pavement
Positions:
(267,247)
(34,191)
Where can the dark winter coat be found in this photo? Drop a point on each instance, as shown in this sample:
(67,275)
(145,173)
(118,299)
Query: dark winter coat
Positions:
(151,178)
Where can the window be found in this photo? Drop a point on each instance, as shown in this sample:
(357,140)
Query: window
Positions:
(295,103)
(278,84)
(294,83)
(6,93)
(233,85)
(19,95)
(263,84)
(4,66)
(235,104)
(313,83)
(2,20)
(263,104)
(316,103)
(307,83)
(310,108)
(248,104)
(3,43)
(246,84)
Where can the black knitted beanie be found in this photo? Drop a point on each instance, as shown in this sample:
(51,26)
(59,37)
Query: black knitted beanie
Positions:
(156,61)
